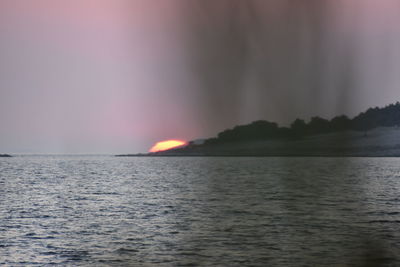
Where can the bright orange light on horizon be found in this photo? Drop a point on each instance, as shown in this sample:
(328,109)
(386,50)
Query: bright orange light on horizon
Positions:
(168,144)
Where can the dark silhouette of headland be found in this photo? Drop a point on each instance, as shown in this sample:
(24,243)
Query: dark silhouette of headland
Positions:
(5,156)
(375,132)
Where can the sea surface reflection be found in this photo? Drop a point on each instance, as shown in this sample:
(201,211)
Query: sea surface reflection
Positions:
(177,211)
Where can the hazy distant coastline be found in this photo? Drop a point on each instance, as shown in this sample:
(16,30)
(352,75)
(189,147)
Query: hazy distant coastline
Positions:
(5,156)
(373,133)
(380,142)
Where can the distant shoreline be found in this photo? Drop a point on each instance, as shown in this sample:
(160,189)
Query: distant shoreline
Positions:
(379,142)
(373,133)
(254,156)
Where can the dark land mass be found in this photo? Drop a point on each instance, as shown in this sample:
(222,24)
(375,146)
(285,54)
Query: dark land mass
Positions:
(373,133)
(5,156)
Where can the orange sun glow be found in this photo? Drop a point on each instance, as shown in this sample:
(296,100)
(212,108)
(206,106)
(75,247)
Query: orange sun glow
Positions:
(168,144)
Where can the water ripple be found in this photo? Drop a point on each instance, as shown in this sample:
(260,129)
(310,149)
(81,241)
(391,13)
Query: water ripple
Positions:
(105,211)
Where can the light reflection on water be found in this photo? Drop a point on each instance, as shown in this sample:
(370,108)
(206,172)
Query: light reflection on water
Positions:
(99,210)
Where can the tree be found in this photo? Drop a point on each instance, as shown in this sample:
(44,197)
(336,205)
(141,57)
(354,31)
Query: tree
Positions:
(298,127)
(340,123)
(318,125)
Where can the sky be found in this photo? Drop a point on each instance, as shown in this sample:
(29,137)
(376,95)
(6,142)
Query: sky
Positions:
(117,76)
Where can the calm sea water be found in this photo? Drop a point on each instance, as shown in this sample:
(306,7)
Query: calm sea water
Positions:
(107,211)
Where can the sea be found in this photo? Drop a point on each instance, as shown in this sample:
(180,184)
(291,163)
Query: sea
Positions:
(101,210)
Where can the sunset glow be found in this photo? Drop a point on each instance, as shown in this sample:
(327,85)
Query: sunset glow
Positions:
(168,144)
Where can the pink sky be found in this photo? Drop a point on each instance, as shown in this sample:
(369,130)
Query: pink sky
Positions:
(115,76)
(101,74)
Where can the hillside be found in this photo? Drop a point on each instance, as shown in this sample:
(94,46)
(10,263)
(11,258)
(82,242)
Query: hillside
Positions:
(375,132)
(379,142)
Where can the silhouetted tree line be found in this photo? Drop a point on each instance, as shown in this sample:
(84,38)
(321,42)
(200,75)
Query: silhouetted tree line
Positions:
(264,130)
